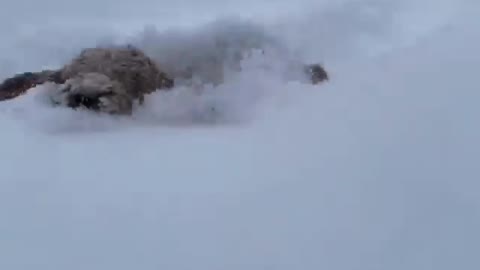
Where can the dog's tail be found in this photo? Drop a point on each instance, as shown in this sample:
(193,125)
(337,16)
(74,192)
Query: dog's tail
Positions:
(20,83)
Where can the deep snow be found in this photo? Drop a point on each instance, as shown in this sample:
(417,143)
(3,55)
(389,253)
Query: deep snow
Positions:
(375,170)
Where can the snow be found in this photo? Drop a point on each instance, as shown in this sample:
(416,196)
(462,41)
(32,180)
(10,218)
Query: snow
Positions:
(376,169)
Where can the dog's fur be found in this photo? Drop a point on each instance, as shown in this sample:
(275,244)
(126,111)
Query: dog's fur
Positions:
(113,76)
(107,80)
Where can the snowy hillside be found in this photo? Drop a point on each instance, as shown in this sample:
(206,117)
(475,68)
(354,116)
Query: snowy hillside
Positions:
(378,169)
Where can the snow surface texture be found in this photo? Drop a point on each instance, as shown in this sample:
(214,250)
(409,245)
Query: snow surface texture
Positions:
(378,169)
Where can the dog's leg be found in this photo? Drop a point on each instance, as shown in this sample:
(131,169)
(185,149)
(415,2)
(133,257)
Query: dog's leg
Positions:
(20,83)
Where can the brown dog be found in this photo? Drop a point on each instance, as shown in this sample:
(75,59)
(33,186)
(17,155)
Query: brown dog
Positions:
(107,80)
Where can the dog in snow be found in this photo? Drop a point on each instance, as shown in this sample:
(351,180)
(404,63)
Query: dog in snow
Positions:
(108,80)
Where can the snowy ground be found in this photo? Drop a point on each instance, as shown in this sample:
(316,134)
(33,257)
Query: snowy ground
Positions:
(377,169)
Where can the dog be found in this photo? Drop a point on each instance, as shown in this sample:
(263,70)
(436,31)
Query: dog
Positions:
(108,80)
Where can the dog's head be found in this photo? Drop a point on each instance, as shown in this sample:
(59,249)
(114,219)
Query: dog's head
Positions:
(93,91)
